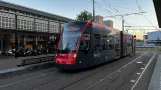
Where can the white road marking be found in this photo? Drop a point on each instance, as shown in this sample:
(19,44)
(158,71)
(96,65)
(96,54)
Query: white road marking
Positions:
(142,68)
(26,79)
(119,71)
(88,88)
(132,81)
(143,71)
(139,62)
(138,73)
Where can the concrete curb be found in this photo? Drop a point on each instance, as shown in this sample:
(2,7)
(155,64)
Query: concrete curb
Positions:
(155,82)
(25,69)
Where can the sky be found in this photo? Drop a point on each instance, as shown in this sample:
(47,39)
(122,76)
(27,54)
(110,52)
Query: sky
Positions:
(71,8)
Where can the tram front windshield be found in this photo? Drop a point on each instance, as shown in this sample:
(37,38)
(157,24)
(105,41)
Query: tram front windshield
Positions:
(70,37)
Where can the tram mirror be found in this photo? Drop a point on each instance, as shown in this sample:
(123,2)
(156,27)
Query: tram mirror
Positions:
(84,45)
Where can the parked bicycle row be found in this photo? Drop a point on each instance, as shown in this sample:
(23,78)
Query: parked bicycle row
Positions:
(23,52)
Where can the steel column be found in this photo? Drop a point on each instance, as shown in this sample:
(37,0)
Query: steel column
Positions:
(16,38)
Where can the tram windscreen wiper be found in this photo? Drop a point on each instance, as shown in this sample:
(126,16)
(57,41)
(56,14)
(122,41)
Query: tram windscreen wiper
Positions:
(73,45)
(75,42)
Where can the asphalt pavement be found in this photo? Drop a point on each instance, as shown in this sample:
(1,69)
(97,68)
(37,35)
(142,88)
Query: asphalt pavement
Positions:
(155,82)
(11,62)
(128,73)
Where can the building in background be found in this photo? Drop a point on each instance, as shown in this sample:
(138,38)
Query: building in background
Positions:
(34,28)
(99,19)
(145,38)
(155,38)
(108,23)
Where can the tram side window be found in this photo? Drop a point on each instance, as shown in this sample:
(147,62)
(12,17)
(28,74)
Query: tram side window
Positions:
(104,43)
(111,43)
(107,43)
(129,42)
(116,43)
(97,44)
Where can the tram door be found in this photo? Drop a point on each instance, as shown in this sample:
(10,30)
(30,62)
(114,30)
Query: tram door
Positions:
(97,48)
(111,51)
(125,45)
(104,45)
(116,41)
(84,55)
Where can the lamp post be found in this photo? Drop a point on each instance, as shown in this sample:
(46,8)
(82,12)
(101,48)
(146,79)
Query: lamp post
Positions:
(93,11)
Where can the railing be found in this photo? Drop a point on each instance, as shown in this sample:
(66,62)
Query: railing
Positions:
(37,59)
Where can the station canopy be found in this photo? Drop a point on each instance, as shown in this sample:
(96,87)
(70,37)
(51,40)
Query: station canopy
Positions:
(157,5)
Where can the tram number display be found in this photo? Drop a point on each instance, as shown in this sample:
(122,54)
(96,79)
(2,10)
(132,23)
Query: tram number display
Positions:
(74,28)
(96,55)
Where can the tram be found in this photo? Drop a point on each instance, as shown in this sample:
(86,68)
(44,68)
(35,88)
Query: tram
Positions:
(87,44)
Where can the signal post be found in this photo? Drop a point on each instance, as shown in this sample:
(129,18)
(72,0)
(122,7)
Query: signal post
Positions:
(134,38)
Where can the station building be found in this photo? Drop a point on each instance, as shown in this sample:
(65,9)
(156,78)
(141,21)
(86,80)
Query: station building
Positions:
(28,27)
(154,38)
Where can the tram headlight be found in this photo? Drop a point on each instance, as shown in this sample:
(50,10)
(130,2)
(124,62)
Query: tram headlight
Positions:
(56,55)
(75,55)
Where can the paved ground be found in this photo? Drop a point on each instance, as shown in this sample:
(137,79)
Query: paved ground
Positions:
(6,57)
(11,62)
(123,74)
(155,83)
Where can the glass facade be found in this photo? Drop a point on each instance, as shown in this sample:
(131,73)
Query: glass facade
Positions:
(7,20)
(41,25)
(26,22)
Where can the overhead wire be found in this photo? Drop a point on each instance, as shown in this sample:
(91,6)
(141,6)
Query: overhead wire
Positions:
(139,7)
(117,11)
(96,6)
(124,7)
(104,9)
(110,6)
(109,12)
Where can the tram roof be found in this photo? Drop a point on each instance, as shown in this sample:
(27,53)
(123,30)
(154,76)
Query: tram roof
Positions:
(104,27)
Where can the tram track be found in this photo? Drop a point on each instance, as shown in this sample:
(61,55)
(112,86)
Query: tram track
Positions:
(117,80)
(91,86)
(58,80)
(73,82)
(78,80)
(57,75)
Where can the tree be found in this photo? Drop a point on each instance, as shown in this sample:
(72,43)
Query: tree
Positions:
(84,16)
(138,40)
